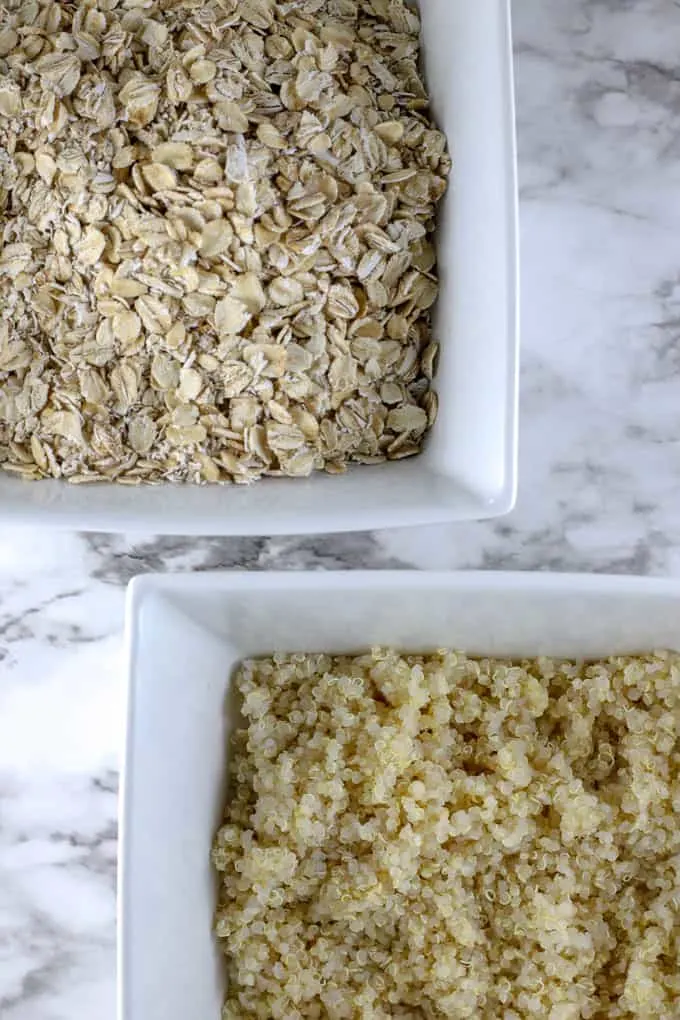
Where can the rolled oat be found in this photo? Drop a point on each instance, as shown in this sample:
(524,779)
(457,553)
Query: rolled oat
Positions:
(208,203)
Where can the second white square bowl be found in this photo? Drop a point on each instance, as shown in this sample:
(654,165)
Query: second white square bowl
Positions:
(185,636)
(469,467)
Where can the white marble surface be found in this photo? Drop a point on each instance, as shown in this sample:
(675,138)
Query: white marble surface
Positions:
(599,130)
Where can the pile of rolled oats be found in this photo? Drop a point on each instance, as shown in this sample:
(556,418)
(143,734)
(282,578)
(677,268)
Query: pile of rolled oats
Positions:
(216,256)
(437,836)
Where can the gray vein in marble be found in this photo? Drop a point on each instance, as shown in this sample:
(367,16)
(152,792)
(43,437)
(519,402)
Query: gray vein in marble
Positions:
(120,559)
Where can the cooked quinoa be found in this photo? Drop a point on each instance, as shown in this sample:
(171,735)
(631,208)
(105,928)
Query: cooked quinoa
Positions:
(438,836)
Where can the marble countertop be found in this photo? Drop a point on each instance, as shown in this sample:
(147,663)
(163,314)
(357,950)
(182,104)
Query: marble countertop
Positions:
(599,137)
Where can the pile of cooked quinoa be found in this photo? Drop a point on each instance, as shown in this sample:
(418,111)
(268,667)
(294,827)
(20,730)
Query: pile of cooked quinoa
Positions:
(438,836)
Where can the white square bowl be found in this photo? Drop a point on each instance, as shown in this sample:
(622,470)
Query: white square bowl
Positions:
(468,469)
(185,636)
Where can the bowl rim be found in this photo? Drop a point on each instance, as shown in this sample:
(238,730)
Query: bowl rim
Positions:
(56,507)
(152,586)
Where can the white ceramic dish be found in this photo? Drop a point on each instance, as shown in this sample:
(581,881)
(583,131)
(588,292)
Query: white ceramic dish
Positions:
(469,467)
(185,635)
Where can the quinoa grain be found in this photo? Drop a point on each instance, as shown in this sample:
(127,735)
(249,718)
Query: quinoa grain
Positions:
(436,836)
